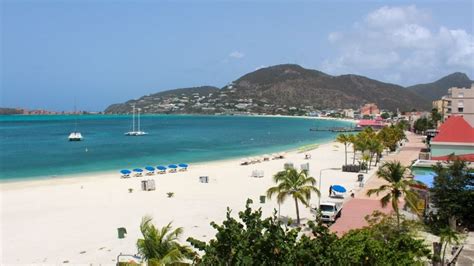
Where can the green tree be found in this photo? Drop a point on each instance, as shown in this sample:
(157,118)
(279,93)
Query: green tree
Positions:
(161,246)
(296,184)
(353,141)
(397,187)
(448,236)
(248,241)
(252,240)
(381,243)
(453,192)
(435,116)
(344,139)
(385,115)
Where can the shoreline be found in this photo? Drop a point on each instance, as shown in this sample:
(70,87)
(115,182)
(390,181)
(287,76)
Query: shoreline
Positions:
(110,173)
(79,216)
(83,176)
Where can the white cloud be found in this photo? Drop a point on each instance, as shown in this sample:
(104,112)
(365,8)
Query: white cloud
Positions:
(400,43)
(236,54)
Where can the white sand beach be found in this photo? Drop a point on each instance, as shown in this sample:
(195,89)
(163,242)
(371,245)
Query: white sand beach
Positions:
(75,220)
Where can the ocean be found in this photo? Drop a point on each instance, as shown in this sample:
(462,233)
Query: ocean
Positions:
(38,147)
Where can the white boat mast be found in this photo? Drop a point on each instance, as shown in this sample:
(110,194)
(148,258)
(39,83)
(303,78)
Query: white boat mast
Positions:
(138,119)
(133,119)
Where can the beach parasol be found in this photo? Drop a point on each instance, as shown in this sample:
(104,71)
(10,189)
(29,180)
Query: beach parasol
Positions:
(338,188)
(150,168)
(161,167)
(125,171)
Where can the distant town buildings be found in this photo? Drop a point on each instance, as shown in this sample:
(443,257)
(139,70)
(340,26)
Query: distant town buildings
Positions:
(369,109)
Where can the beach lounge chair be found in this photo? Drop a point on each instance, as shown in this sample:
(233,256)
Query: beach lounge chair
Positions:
(161,169)
(288,165)
(150,170)
(172,168)
(183,167)
(266,157)
(125,173)
(204,179)
(137,172)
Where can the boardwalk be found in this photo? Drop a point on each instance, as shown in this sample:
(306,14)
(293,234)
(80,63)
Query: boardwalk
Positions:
(356,209)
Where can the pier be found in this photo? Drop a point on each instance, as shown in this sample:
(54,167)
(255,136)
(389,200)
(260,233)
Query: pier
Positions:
(335,129)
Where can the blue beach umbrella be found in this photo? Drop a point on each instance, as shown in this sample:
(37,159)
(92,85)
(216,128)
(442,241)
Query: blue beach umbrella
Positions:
(183,165)
(125,171)
(161,167)
(339,188)
(172,166)
(150,168)
(138,170)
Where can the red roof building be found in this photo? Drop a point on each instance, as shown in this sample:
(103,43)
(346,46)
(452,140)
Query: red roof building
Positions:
(456,136)
(375,124)
(455,129)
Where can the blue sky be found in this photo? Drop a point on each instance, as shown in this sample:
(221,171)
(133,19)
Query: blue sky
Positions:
(103,52)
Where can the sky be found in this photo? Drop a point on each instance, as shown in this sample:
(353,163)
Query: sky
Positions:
(96,53)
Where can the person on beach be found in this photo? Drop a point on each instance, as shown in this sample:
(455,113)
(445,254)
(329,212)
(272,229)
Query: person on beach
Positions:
(330,190)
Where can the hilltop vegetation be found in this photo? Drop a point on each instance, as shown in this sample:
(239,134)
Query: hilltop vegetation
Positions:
(288,89)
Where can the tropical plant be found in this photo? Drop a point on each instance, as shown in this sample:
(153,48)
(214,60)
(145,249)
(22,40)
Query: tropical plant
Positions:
(397,187)
(383,242)
(161,246)
(253,240)
(453,192)
(344,139)
(374,145)
(353,140)
(448,236)
(296,184)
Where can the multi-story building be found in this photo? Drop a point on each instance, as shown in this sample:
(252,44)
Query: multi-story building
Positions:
(369,109)
(460,102)
(441,105)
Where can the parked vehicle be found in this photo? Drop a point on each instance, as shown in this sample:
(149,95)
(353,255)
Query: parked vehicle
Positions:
(330,211)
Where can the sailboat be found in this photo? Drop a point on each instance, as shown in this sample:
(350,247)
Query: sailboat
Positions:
(75,136)
(134,132)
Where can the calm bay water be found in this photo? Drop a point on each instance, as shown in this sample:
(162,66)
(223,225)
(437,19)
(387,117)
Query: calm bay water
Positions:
(37,146)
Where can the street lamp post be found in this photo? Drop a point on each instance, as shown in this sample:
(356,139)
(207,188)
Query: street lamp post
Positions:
(320,179)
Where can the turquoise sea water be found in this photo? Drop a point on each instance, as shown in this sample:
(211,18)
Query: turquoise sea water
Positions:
(37,146)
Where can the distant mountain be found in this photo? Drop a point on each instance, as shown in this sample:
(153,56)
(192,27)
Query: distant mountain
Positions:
(281,89)
(293,85)
(435,90)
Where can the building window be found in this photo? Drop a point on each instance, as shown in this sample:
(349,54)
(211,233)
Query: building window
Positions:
(460,103)
(448,111)
(460,109)
(461,95)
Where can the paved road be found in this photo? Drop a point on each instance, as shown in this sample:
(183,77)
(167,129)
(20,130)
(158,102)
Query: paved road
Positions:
(356,209)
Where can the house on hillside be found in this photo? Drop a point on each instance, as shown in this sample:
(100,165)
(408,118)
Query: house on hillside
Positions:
(455,136)
(369,109)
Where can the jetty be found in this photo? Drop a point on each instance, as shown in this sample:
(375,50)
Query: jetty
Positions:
(335,129)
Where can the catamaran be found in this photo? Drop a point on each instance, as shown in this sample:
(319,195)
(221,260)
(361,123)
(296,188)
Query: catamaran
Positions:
(75,136)
(134,132)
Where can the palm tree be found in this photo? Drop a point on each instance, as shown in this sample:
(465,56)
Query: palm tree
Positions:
(353,141)
(296,184)
(344,139)
(160,246)
(448,236)
(373,145)
(397,187)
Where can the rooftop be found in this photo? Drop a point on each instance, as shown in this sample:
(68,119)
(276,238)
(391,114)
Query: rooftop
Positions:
(455,129)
